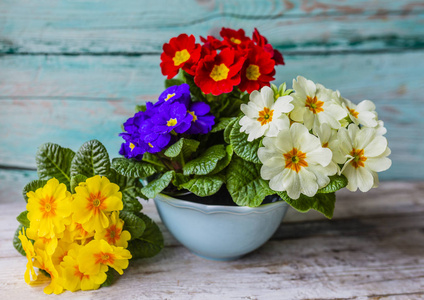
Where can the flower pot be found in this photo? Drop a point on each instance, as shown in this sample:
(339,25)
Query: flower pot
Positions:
(219,232)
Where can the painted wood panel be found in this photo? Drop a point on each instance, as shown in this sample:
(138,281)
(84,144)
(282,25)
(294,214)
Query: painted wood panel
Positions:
(138,27)
(71,99)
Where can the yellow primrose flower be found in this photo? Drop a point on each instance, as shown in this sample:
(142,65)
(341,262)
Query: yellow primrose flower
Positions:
(48,208)
(62,251)
(93,202)
(76,233)
(30,254)
(98,253)
(44,262)
(47,244)
(114,234)
(74,279)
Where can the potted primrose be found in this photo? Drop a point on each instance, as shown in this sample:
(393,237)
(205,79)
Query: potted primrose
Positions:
(224,152)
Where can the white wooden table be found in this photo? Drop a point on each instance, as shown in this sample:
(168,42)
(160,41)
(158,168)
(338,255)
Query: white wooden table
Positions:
(372,249)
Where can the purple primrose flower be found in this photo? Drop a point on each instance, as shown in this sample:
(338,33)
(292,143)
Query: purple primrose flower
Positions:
(176,93)
(202,120)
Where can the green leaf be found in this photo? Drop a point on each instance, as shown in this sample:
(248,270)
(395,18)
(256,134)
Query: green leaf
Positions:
(133,168)
(324,203)
(205,163)
(172,82)
(184,146)
(223,163)
(75,181)
(112,276)
(91,159)
(32,187)
(154,160)
(337,182)
(17,242)
(141,107)
(180,179)
(204,186)
(130,189)
(228,129)
(232,108)
(222,124)
(194,89)
(150,243)
(54,161)
(243,148)
(157,186)
(245,184)
(23,218)
(133,223)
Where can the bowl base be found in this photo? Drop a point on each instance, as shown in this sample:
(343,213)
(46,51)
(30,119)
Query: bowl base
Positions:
(218,258)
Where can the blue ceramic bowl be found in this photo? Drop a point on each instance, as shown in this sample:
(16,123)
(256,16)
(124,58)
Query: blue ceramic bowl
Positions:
(219,232)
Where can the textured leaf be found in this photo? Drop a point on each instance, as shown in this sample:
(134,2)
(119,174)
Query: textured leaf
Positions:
(246,150)
(54,161)
(91,159)
(133,223)
(112,276)
(180,179)
(32,187)
(23,218)
(75,181)
(337,182)
(245,184)
(205,163)
(154,160)
(150,243)
(204,186)
(223,163)
(228,129)
(17,242)
(222,124)
(172,82)
(184,146)
(133,168)
(324,203)
(158,185)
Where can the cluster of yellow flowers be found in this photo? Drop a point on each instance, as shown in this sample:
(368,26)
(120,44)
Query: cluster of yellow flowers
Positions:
(77,237)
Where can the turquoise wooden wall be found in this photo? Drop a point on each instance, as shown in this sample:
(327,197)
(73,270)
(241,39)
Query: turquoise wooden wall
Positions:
(73,70)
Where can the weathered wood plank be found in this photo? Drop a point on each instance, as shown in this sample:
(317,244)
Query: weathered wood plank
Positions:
(143,26)
(71,99)
(371,251)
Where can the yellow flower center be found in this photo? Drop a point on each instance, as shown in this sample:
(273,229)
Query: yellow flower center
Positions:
(325,145)
(169,96)
(181,57)
(265,116)
(295,160)
(132,146)
(171,122)
(150,145)
(219,72)
(96,202)
(353,112)
(48,206)
(194,116)
(314,105)
(104,258)
(252,72)
(112,234)
(235,41)
(78,274)
(358,158)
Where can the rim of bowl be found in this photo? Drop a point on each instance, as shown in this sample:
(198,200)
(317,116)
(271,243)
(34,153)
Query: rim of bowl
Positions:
(214,209)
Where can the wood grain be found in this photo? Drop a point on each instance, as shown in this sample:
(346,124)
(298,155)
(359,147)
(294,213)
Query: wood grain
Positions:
(372,249)
(133,27)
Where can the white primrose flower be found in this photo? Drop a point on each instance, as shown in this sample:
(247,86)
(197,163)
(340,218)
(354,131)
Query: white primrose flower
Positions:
(328,139)
(315,105)
(365,153)
(362,114)
(295,162)
(381,130)
(264,115)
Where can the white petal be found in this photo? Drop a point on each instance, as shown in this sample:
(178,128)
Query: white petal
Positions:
(283,105)
(320,156)
(365,105)
(365,179)
(309,186)
(376,147)
(378,164)
(291,184)
(249,111)
(350,172)
(267,96)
